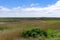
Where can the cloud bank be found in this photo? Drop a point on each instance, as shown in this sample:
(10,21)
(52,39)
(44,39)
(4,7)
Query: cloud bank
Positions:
(50,11)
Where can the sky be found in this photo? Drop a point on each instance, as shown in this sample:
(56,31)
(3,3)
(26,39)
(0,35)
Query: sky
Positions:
(29,8)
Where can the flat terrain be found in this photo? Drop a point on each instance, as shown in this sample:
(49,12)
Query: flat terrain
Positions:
(11,30)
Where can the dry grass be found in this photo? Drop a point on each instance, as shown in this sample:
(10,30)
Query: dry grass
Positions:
(8,34)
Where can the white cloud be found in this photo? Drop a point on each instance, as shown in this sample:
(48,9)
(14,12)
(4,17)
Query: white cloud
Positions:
(50,11)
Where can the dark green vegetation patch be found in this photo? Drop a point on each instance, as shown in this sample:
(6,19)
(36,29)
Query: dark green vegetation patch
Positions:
(34,33)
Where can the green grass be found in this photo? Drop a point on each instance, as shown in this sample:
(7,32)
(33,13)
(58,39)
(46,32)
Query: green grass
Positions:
(53,21)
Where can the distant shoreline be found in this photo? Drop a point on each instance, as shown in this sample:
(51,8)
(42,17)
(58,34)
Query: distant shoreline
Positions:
(17,19)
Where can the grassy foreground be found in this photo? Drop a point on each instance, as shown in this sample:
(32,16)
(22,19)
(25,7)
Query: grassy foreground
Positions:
(13,30)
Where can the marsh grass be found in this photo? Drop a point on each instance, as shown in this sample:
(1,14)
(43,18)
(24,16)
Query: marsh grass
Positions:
(13,30)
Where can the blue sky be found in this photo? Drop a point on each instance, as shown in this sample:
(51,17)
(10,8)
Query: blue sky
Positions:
(29,8)
(26,3)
